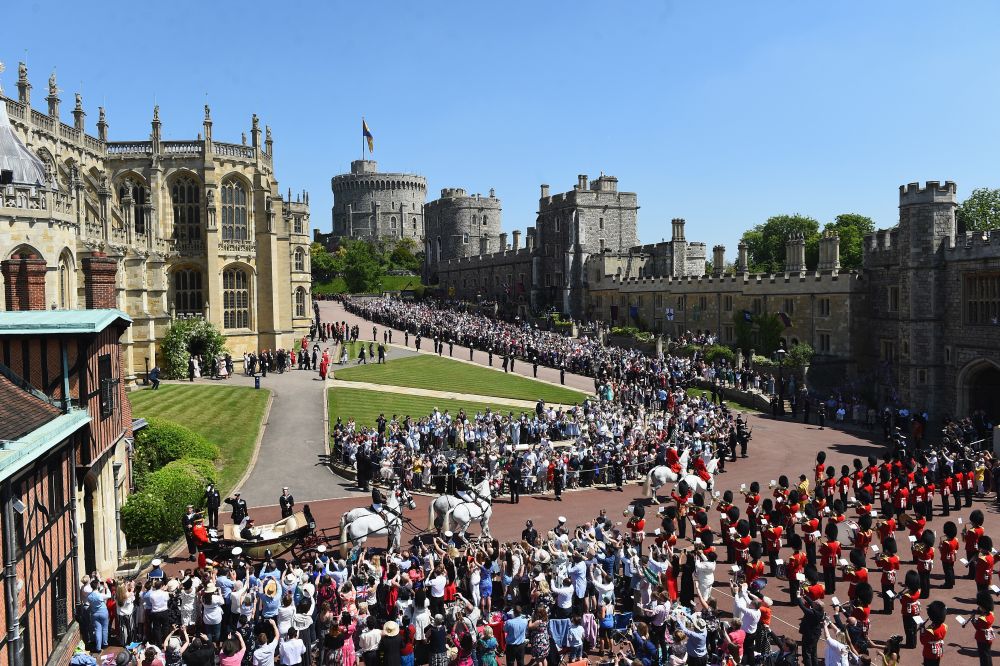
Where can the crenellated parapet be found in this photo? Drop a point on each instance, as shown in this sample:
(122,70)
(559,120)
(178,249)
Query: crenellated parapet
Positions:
(975,245)
(933,192)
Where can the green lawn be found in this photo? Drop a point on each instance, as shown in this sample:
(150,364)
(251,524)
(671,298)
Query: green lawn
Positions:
(364,406)
(228,416)
(436,373)
(731,404)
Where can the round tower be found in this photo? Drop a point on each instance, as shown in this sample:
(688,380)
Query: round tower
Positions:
(369,204)
(459,224)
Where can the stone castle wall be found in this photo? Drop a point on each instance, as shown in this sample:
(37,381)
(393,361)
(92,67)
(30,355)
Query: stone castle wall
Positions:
(124,198)
(460,225)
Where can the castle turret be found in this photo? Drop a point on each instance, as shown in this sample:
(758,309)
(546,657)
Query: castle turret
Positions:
(678,248)
(371,204)
(718,260)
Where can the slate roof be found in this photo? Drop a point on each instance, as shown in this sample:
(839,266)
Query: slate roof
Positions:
(21,412)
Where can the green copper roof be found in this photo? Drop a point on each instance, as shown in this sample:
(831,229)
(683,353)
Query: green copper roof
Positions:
(18,454)
(53,322)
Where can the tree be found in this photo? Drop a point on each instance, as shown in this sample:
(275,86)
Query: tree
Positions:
(769,328)
(325,266)
(980,212)
(362,268)
(402,256)
(187,337)
(766,242)
(851,228)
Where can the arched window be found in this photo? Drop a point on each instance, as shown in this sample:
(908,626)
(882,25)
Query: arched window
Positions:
(234,211)
(300,259)
(392,223)
(300,302)
(66,283)
(132,186)
(186,197)
(235,298)
(188,296)
(297,225)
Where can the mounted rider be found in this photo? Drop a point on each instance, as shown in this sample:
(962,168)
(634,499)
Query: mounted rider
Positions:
(377,501)
(701,470)
(673,461)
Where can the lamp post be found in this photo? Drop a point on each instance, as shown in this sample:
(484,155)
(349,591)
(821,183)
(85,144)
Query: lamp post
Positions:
(780,353)
(145,381)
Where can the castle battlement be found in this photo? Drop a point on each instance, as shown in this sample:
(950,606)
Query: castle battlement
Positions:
(975,245)
(809,280)
(913,194)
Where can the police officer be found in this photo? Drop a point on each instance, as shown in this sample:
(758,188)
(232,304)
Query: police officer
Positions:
(515,481)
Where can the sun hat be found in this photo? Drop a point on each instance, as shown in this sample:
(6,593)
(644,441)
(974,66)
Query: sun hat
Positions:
(210,588)
(390,628)
(172,585)
(271,587)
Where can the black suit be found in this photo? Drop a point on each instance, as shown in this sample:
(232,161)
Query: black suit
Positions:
(287,503)
(239,508)
(187,522)
(212,503)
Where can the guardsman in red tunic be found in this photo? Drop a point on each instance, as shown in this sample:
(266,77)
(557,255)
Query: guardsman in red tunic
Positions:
(888,562)
(933,632)
(982,622)
(949,553)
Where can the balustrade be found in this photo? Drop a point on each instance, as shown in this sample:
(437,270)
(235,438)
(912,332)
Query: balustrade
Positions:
(233,150)
(238,246)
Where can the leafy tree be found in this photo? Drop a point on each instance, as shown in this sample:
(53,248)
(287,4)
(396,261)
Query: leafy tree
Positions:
(800,355)
(769,328)
(766,242)
(187,337)
(362,268)
(851,228)
(325,265)
(981,211)
(402,257)
(744,331)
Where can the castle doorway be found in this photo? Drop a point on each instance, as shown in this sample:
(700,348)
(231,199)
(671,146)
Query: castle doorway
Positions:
(979,389)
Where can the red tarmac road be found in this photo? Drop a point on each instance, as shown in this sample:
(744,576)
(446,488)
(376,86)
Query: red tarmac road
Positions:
(778,447)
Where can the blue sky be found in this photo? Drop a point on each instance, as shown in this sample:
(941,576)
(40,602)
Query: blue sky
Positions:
(723,113)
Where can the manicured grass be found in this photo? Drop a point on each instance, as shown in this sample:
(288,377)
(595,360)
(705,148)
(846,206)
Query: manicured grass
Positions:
(433,372)
(364,406)
(228,416)
(731,404)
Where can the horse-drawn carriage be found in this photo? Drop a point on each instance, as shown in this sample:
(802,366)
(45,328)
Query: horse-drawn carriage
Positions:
(293,536)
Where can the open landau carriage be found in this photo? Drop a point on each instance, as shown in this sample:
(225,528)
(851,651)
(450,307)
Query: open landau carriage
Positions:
(292,535)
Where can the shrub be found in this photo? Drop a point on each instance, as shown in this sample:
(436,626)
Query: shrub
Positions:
(144,519)
(186,337)
(179,483)
(162,442)
(799,356)
(719,352)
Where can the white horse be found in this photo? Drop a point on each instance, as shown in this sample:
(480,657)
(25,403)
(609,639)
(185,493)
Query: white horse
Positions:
(661,475)
(463,511)
(365,522)
(699,485)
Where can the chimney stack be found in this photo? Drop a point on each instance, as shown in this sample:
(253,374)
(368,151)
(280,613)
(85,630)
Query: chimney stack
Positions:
(795,253)
(829,251)
(741,262)
(24,282)
(517,240)
(100,274)
(581,181)
(545,191)
(718,260)
(678,229)
(503,242)
(529,239)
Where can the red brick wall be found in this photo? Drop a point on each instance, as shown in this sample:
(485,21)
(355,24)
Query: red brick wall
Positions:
(24,283)
(100,273)
(48,544)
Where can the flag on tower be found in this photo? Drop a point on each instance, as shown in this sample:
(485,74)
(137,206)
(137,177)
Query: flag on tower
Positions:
(367,133)
(785,319)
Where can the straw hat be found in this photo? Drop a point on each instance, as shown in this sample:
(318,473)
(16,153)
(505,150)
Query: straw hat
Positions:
(210,588)
(271,587)
(172,585)
(390,628)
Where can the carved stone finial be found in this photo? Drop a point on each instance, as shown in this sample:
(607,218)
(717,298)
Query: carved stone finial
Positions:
(244,138)
(53,88)
(22,72)
(79,102)
(255,123)
(156,112)
(208,113)
(100,114)
(267,132)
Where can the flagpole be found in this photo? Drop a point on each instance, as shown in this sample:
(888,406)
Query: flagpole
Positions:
(362,138)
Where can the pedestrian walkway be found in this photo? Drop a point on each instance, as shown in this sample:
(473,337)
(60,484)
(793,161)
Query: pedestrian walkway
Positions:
(292,443)
(431,393)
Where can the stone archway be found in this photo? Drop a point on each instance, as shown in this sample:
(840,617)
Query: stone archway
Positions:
(979,389)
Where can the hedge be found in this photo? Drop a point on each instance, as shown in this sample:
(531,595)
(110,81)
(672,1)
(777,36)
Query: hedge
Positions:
(153,515)
(144,519)
(162,442)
